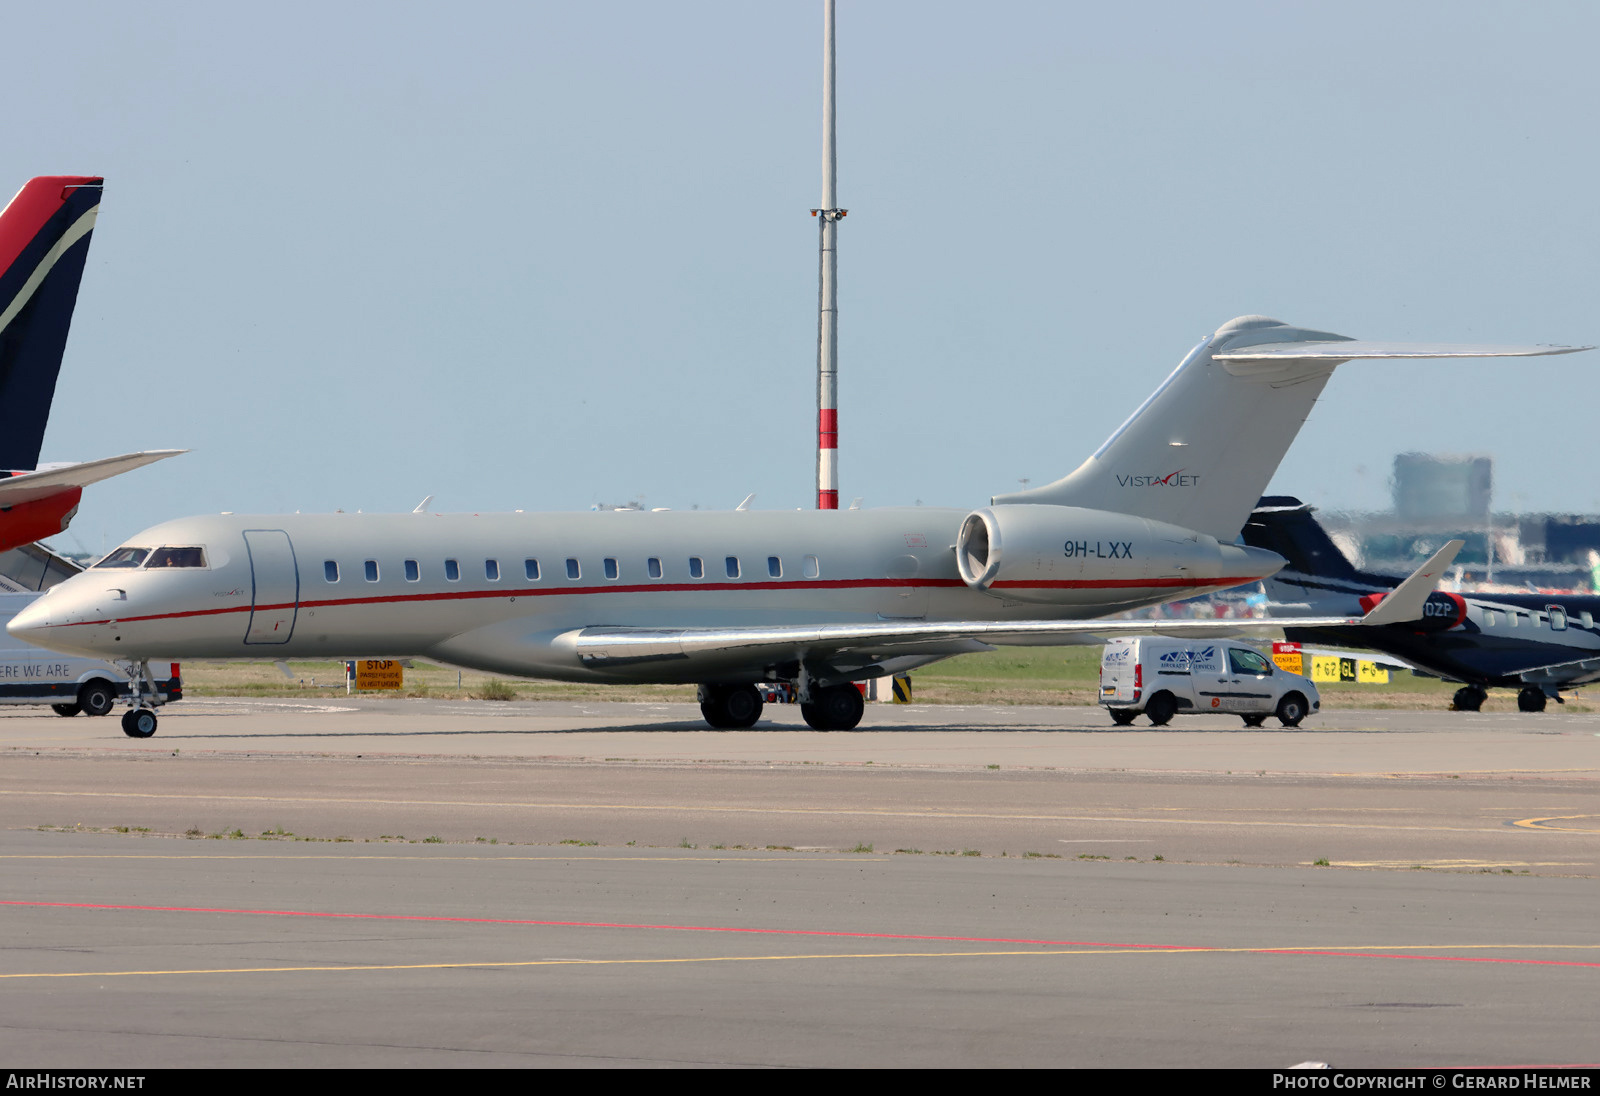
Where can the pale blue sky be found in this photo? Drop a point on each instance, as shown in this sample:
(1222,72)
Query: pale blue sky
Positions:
(542,255)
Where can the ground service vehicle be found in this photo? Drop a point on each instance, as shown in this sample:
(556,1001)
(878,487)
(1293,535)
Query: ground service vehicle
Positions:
(1167,677)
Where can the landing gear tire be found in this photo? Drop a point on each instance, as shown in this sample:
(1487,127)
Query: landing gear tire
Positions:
(1161,708)
(1292,709)
(731,707)
(139,723)
(96,698)
(1123,717)
(1531,699)
(65,709)
(1469,698)
(1253,720)
(837,708)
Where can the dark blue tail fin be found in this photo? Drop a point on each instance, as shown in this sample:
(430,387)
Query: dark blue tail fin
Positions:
(44,240)
(1283,524)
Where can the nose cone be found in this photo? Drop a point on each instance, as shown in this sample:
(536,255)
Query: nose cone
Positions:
(66,618)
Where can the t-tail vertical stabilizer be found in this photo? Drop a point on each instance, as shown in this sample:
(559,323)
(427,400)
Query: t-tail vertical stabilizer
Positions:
(44,241)
(1201,450)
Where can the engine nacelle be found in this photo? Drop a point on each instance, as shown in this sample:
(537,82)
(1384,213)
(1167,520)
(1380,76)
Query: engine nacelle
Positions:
(1066,554)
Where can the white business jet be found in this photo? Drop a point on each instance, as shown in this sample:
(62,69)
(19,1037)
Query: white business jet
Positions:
(726,600)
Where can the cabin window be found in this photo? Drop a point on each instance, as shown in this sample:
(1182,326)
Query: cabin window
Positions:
(371,569)
(653,567)
(810,568)
(574,572)
(530,567)
(330,571)
(177,557)
(452,570)
(611,568)
(696,568)
(491,570)
(413,571)
(125,557)
(1558,618)
(732,565)
(774,567)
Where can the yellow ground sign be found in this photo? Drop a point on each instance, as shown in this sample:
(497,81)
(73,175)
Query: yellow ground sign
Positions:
(1290,662)
(380,673)
(1324,668)
(1332,668)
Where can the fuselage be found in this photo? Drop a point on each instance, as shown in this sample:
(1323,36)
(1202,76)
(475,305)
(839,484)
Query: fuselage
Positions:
(493,591)
(1488,640)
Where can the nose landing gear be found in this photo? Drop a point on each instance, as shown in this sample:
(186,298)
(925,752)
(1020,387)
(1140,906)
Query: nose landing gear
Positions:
(139,721)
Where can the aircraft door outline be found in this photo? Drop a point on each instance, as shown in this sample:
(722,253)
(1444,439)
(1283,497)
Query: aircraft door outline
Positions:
(274,586)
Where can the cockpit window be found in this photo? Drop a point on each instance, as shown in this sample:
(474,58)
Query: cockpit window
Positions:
(177,557)
(125,557)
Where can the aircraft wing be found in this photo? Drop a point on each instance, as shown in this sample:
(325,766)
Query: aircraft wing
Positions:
(860,644)
(1583,671)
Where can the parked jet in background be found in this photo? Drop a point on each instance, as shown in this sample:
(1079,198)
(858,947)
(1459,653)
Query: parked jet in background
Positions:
(1538,644)
(44,241)
(729,599)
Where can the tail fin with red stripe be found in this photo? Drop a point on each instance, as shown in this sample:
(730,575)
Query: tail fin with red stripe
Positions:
(44,241)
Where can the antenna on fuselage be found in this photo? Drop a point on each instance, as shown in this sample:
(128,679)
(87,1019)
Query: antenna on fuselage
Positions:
(828,218)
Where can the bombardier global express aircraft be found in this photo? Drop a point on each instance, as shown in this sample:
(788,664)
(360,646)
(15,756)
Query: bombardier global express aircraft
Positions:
(726,600)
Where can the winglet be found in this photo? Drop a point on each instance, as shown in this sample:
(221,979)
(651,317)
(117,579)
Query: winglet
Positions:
(1404,603)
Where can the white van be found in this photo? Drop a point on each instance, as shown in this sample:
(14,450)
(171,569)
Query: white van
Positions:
(1167,677)
(32,675)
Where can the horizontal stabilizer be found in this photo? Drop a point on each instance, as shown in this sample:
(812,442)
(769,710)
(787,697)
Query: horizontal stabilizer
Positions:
(1404,603)
(1349,350)
(34,485)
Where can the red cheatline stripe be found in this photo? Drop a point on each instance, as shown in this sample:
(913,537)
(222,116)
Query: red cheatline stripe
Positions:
(744,930)
(676,587)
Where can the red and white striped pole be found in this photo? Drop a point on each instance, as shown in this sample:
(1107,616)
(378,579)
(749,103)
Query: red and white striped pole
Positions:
(827,290)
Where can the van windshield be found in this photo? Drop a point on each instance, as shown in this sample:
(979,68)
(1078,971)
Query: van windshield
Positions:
(125,557)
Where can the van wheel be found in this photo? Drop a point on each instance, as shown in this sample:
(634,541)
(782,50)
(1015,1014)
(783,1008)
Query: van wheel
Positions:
(1291,710)
(65,709)
(96,698)
(1123,717)
(1161,708)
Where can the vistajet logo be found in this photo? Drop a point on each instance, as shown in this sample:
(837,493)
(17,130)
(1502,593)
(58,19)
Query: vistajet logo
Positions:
(1180,478)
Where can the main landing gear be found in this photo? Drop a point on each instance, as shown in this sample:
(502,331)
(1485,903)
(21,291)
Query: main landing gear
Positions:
(731,707)
(1470,698)
(737,707)
(835,708)
(1531,699)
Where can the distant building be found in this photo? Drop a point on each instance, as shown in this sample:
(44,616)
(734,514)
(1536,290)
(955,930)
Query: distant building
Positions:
(1433,488)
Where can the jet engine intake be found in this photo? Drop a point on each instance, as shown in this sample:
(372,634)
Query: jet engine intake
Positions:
(1066,554)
